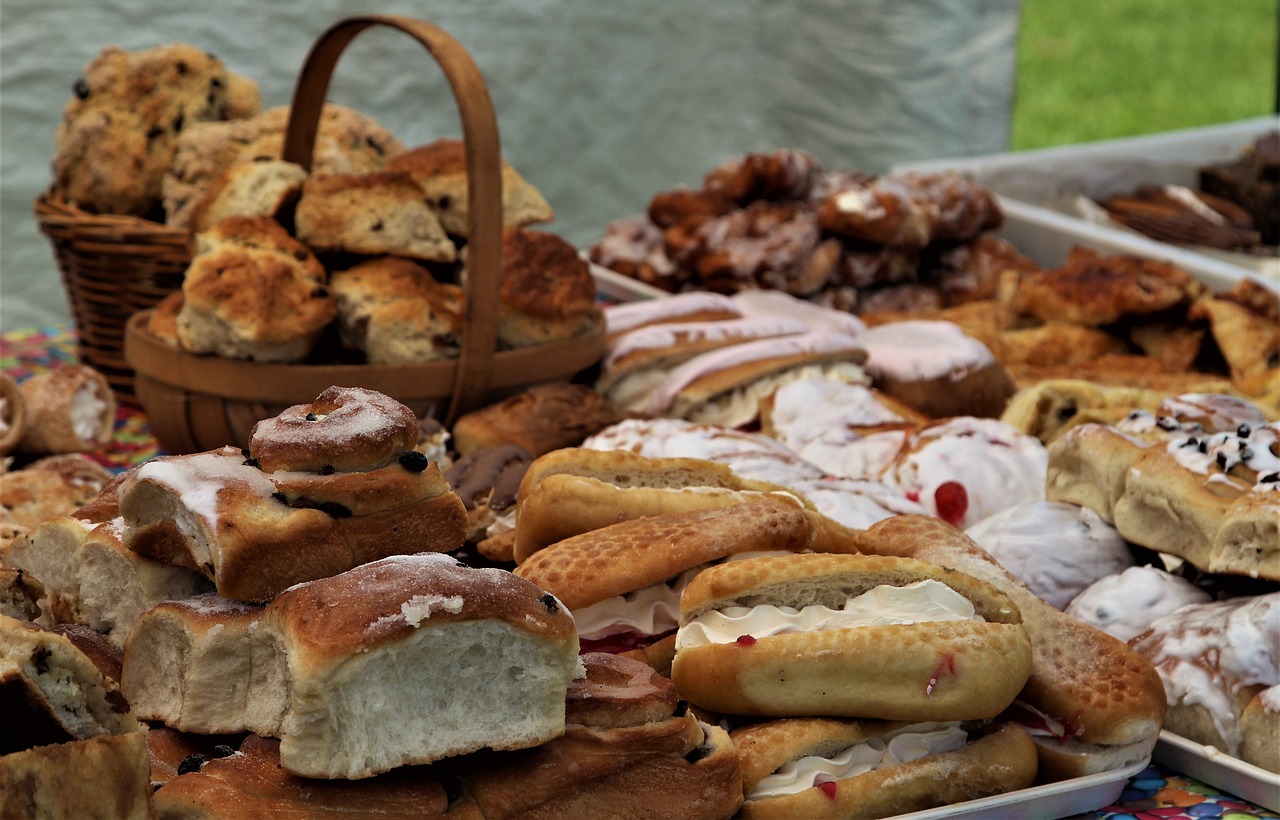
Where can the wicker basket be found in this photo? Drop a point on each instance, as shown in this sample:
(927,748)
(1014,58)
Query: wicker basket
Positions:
(197,403)
(112,266)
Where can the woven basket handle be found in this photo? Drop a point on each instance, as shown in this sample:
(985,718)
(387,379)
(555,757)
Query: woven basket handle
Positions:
(484,178)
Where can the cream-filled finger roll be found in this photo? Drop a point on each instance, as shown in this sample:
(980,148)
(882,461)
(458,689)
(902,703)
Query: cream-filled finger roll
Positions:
(825,768)
(68,410)
(826,635)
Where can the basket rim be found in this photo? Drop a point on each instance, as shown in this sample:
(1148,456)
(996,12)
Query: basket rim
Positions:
(295,383)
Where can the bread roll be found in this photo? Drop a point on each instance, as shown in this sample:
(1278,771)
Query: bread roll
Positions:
(782,636)
(816,767)
(631,748)
(51,487)
(106,777)
(19,594)
(1093,703)
(68,410)
(547,292)
(412,659)
(396,312)
(51,692)
(576,490)
(261,187)
(623,582)
(250,782)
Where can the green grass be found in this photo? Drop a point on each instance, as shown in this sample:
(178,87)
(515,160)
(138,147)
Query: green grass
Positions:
(1099,69)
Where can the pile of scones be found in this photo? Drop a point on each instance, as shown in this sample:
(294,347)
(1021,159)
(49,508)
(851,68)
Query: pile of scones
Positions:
(360,259)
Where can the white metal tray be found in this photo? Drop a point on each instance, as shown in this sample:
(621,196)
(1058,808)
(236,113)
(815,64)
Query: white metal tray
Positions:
(1218,769)
(1052,800)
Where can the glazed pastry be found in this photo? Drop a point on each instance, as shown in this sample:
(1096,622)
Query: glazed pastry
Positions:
(1126,604)
(68,410)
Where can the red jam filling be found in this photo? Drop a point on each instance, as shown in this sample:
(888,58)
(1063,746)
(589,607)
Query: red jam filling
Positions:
(745,640)
(947,665)
(828,788)
(620,642)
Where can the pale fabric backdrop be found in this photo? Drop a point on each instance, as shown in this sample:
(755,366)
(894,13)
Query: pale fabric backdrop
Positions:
(600,103)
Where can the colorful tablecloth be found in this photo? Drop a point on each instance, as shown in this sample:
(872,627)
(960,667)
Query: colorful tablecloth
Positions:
(1154,794)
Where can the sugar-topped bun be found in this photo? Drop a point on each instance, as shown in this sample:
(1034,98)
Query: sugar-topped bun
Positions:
(1056,549)
(1125,604)
(937,368)
(344,428)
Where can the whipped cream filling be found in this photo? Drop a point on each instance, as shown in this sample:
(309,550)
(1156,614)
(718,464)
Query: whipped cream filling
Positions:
(650,610)
(631,392)
(926,600)
(5,416)
(903,746)
(740,406)
(87,409)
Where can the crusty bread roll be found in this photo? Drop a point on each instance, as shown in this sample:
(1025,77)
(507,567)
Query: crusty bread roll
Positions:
(1093,704)
(252,291)
(51,692)
(190,664)
(1260,730)
(440,168)
(250,782)
(725,386)
(782,637)
(415,658)
(542,418)
(375,213)
(576,490)
(106,777)
(70,409)
(48,553)
(401,661)
(826,768)
(937,368)
(623,582)
(631,748)
(13,414)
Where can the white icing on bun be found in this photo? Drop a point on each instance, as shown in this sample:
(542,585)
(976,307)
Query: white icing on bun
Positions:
(1126,604)
(1055,548)
(923,350)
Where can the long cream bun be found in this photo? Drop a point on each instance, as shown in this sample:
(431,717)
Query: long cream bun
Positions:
(825,768)
(640,360)
(576,490)
(695,306)
(1091,703)
(68,410)
(725,386)
(623,582)
(848,636)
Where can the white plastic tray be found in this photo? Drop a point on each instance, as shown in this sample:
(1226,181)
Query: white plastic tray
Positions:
(1056,178)
(1214,768)
(1053,800)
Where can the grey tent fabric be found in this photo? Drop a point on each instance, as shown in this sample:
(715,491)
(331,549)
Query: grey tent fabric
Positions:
(600,103)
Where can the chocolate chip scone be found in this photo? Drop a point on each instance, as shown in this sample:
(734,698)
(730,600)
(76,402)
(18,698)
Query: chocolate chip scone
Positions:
(117,135)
